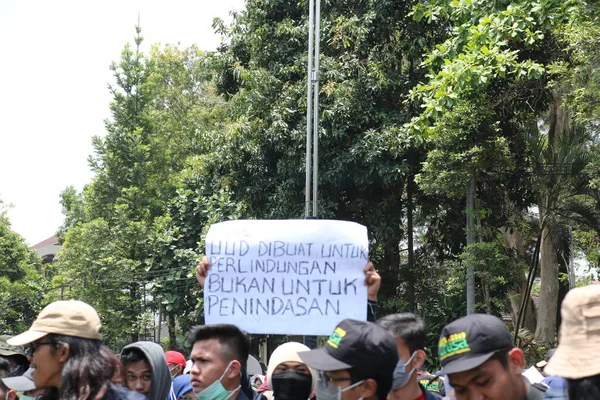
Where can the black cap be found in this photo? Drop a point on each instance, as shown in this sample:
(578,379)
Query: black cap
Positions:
(470,341)
(366,348)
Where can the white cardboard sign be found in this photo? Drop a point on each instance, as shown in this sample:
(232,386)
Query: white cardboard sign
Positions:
(297,277)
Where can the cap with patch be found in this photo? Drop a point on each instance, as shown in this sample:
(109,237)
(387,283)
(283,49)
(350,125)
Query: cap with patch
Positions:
(366,348)
(64,317)
(470,341)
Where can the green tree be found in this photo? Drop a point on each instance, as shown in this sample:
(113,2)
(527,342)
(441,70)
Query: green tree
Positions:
(164,112)
(370,60)
(187,115)
(20,279)
(489,84)
(114,213)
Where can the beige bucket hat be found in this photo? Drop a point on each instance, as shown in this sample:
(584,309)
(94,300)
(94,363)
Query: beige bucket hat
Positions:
(578,348)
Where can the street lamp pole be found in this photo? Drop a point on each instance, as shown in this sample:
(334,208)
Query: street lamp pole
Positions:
(312,109)
(312,120)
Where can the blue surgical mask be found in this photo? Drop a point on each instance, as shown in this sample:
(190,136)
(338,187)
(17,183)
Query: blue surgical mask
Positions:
(328,391)
(216,390)
(401,377)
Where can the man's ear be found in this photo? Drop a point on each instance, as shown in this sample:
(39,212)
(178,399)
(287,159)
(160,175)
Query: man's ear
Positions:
(63,352)
(11,395)
(235,370)
(369,388)
(418,360)
(516,360)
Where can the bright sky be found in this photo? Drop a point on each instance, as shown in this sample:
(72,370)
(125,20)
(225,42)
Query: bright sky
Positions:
(54,98)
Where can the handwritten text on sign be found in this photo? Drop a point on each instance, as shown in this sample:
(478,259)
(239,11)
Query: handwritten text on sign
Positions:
(286,276)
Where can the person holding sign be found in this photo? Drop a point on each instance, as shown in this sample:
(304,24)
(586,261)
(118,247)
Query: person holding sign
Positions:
(372,281)
(286,277)
(357,362)
(218,355)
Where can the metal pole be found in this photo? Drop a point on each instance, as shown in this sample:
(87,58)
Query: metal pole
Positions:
(311,341)
(311,20)
(317,39)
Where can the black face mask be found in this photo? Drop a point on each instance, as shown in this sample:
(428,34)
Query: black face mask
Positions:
(291,385)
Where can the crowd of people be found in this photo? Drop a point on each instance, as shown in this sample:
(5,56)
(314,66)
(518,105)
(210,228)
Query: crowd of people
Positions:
(376,359)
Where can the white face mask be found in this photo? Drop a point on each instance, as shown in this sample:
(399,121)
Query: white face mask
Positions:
(327,391)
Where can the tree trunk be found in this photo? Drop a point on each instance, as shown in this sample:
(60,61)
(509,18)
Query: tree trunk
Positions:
(392,273)
(410,289)
(549,261)
(172,330)
(513,240)
(470,209)
(546,329)
(133,293)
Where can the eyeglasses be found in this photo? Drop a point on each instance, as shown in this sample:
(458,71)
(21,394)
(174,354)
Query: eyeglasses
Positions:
(327,379)
(34,346)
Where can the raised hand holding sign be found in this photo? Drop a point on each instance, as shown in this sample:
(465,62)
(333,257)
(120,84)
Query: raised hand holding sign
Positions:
(286,276)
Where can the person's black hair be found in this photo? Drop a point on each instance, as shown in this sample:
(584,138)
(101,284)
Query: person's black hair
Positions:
(502,358)
(384,382)
(132,355)
(408,327)
(21,364)
(3,388)
(5,372)
(4,366)
(235,345)
(584,389)
(87,371)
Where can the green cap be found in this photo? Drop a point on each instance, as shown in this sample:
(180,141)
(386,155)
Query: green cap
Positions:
(8,350)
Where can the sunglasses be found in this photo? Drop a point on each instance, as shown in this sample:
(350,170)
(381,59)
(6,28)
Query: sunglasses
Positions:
(35,345)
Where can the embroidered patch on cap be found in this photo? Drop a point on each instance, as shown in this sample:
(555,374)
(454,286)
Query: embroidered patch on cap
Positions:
(452,345)
(336,337)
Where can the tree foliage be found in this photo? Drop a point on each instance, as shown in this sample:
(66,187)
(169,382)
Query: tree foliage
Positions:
(416,99)
(20,279)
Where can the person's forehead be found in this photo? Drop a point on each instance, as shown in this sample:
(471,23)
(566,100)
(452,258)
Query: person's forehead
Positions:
(138,366)
(490,367)
(340,373)
(208,346)
(291,364)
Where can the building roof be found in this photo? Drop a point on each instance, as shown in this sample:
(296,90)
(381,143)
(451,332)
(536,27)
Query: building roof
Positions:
(53,240)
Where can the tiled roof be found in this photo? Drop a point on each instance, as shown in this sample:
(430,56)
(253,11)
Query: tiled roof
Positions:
(50,241)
